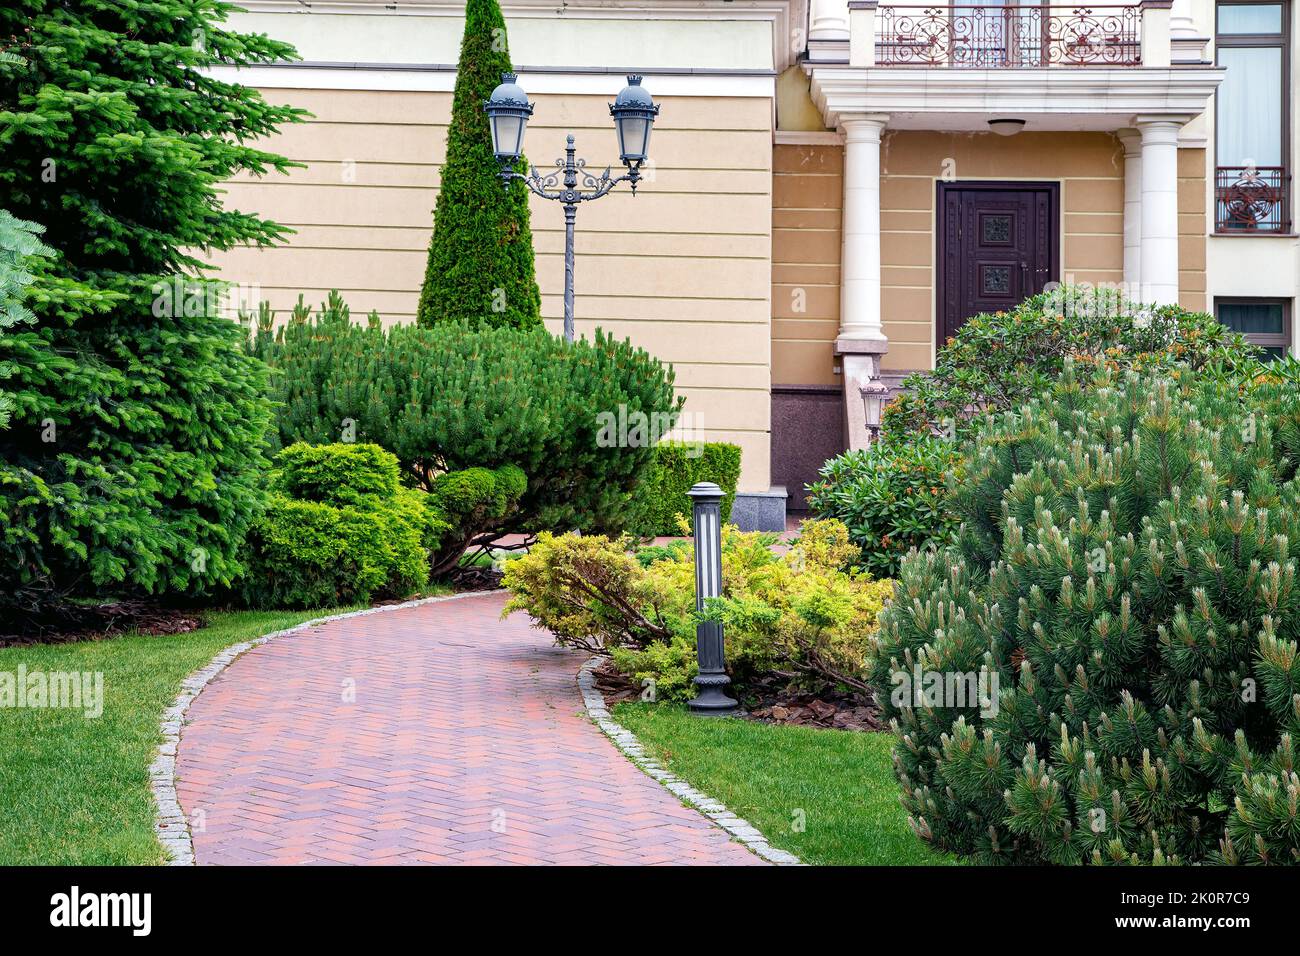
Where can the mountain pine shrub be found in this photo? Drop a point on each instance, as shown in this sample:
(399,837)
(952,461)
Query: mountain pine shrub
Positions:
(133,458)
(523,405)
(480,269)
(1126,570)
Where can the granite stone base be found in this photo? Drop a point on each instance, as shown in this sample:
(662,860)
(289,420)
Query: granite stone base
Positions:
(760,510)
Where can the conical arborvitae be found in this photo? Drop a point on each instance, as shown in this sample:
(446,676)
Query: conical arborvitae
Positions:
(1127,571)
(480,269)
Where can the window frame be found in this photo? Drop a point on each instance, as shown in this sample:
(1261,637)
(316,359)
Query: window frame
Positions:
(1280,41)
(1262,339)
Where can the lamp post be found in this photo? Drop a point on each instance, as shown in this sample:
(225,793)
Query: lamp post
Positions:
(711,682)
(634,115)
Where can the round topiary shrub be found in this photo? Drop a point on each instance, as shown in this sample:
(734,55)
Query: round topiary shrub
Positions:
(1104,667)
(338,529)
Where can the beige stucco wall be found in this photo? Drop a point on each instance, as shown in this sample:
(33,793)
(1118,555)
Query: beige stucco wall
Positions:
(807,184)
(683,268)
(731,36)
(1193,225)
(807,194)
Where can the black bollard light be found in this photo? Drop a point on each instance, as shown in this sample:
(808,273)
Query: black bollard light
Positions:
(711,698)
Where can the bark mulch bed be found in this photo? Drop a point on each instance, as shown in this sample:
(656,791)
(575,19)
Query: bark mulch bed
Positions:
(770,700)
(66,622)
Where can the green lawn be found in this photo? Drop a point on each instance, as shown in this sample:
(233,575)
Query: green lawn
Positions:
(75,790)
(842,782)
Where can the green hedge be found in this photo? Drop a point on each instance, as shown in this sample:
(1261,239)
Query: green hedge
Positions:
(676,466)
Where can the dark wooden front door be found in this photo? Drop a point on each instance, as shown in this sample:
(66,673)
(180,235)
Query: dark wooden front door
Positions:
(998,243)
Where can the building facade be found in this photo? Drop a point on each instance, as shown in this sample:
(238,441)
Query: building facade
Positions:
(836,184)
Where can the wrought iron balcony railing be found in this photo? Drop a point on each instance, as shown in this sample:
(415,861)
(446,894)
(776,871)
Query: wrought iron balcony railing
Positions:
(988,37)
(1252,199)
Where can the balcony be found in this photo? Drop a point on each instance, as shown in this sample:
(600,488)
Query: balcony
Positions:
(993,37)
(990,35)
(1252,200)
(953,68)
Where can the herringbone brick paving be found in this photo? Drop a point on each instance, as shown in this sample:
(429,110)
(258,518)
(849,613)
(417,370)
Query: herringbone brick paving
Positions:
(435,734)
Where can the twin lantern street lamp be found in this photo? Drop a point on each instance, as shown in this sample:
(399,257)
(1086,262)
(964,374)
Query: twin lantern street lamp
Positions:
(634,115)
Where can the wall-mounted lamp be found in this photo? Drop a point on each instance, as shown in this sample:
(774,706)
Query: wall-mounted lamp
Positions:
(874,395)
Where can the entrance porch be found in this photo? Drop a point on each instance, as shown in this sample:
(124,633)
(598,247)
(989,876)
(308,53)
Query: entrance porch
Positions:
(942,217)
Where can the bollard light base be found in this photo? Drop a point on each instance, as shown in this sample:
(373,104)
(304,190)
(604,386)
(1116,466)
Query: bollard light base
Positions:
(711,698)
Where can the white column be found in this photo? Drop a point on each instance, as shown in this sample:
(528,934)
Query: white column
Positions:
(1180,19)
(1187,40)
(860,254)
(1132,142)
(829,20)
(861,341)
(1159,256)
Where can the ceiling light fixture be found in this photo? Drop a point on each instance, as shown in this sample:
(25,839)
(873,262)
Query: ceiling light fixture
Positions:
(1006,127)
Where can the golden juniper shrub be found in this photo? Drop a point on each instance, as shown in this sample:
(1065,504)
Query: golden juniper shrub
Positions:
(587,590)
(797,613)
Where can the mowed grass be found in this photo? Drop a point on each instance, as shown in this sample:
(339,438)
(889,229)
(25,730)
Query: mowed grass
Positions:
(74,790)
(837,785)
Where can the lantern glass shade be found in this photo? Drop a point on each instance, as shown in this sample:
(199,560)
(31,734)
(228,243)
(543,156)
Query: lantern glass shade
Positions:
(508,110)
(508,135)
(634,115)
(874,401)
(633,138)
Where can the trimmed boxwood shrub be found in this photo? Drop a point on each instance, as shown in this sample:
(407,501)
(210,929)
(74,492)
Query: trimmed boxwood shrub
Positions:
(339,474)
(1126,572)
(339,529)
(469,501)
(675,467)
(892,496)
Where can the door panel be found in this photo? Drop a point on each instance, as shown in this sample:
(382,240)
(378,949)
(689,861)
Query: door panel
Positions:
(998,244)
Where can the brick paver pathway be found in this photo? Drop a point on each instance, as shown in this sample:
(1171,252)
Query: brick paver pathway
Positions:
(437,734)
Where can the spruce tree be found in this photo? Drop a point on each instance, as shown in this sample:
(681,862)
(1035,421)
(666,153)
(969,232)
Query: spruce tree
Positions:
(481,269)
(134,456)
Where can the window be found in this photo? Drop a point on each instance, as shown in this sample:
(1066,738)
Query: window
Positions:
(1265,322)
(1252,182)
